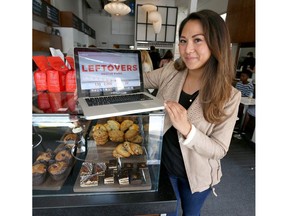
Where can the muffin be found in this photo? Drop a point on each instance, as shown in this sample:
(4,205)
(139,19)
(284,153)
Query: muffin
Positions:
(58,170)
(70,138)
(64,155)
(45,157)
(39,171)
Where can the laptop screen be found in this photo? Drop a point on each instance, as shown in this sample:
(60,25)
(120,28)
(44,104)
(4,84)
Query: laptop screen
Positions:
(107,71)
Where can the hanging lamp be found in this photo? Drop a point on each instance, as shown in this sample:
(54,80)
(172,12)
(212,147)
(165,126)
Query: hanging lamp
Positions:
(117,8)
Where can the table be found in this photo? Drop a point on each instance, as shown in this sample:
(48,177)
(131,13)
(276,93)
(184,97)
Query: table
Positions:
(246,101)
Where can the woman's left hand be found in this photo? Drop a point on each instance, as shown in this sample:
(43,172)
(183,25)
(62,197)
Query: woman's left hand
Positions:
(178,116)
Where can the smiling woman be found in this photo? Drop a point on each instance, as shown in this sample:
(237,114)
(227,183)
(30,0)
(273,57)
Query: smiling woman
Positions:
(201,108)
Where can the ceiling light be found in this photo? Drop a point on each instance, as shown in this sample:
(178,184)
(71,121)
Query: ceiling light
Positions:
(157,26)
(149,7)
(117,8)
(154,16)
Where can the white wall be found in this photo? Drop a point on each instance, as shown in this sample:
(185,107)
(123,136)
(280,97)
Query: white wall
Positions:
(112,30)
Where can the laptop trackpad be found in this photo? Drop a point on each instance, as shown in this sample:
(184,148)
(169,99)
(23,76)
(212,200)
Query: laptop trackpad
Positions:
(125,107)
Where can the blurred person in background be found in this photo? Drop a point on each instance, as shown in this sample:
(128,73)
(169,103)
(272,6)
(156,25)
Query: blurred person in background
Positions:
(168,57)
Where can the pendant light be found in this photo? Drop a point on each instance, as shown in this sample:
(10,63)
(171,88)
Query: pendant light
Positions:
(153,16)
(117,8)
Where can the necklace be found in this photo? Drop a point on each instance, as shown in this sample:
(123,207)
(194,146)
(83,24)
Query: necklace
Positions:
(193,96)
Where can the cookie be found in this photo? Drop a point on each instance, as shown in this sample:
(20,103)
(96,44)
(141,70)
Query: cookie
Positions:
(122,151)
(137,149)
(116,154)
(137,139)
(100,136)
(130,134)
(107,126)
(126,124)
(134,127)
(114,125)
(99,126)
(127,147)
(116,135)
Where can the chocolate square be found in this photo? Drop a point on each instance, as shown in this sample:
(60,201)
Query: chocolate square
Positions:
(135,177)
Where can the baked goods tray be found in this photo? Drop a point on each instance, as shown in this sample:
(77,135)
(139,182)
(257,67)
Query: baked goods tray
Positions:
(116,187)
(50,183)
(103,153)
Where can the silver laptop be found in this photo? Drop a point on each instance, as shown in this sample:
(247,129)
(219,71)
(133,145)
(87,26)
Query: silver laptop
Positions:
(110,83)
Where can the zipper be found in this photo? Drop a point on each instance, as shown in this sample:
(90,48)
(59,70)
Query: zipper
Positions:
(211,185)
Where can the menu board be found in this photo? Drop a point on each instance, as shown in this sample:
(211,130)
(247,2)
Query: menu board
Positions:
(46,11)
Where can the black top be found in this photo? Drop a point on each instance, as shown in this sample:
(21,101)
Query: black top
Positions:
(171,153)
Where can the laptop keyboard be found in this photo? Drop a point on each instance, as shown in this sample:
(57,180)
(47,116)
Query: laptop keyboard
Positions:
(104,100)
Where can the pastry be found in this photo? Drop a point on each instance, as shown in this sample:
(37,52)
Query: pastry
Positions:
(112,165)
(107,126)
(127,147)
(130,134)
(137,139)
(64,155)
(146,127)
(86,168)
(89,181)
(45,157)
(116,135)
(122,150)
(99,126)
(109,177)
(126,124)
(71,137)
(116,154)
(128,166)
(134,127)
(135,177)
(137,149)
(114,125)
(58,170)
(39,171)
(123,177)
(100,136)
(119,118)
(141,165)
(99,168)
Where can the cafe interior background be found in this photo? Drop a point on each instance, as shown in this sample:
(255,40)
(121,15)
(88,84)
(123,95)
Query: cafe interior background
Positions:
(120,31)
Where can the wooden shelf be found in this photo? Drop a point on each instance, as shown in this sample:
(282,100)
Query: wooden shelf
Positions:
(42,41)
(68,19)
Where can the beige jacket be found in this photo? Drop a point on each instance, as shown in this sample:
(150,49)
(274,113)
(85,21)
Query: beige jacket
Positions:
(211,142)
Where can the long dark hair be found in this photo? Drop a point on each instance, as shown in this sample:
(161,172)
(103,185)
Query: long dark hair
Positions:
(218,71)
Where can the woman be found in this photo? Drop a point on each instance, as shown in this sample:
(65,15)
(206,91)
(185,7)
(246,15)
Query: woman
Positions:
(201,108)
(146,61)
(168,57)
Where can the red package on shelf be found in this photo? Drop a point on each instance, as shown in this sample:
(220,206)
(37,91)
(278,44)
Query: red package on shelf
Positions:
(53,81)
(58,65)
(71,102)
(43,101)
(40,78)
(71,81)
(55,100)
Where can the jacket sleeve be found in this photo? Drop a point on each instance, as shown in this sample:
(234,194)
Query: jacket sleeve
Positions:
(216,141)
(155,78)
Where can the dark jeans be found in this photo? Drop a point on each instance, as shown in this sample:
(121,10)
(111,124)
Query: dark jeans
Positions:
(191,203)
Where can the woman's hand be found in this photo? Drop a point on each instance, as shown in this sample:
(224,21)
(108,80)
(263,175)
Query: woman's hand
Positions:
(178,116)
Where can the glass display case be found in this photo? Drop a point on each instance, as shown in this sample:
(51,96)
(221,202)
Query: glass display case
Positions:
(74,156)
